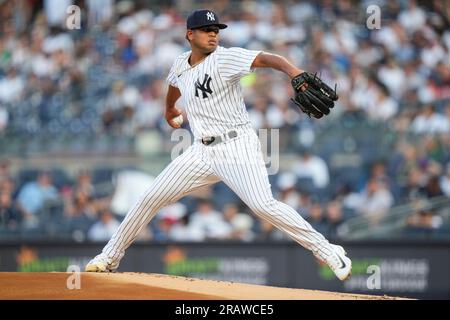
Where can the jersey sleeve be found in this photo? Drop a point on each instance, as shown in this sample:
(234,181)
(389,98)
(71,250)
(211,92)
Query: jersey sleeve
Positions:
(173,77)
(235,63)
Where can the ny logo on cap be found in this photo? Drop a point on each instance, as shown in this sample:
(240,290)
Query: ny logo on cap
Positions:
(210,16)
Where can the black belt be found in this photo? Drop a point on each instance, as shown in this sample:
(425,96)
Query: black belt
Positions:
(207,141)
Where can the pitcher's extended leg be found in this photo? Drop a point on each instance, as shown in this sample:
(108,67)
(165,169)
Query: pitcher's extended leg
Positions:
(183,175)
(245,173)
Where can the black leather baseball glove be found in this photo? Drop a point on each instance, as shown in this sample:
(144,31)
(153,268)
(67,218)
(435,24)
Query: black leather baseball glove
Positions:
(312,95)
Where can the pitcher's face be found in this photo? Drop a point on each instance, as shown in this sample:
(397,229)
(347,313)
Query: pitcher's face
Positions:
(206,39)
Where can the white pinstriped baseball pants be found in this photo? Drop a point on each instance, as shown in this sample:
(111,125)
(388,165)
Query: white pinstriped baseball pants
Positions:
(239,163)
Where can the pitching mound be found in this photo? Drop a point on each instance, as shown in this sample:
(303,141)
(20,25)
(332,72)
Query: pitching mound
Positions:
(139,286)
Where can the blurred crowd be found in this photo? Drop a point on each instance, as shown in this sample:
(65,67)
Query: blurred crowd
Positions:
(386,142)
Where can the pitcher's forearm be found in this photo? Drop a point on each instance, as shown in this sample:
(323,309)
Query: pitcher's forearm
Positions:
(173,94)
(277,62)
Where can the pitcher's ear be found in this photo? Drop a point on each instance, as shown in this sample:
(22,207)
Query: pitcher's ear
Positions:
(189,33)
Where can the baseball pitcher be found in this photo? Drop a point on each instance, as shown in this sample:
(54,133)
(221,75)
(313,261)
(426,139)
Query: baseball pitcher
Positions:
(226,148)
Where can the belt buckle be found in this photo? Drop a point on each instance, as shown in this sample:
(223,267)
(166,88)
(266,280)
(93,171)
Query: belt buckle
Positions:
(208,140)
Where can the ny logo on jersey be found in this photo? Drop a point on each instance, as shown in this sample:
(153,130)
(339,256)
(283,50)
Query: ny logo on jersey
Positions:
(210,16)
(204,87)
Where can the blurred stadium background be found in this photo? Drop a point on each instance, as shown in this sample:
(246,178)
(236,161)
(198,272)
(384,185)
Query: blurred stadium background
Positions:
(82,134)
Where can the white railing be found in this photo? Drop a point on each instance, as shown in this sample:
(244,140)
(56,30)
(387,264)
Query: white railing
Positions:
(364,227)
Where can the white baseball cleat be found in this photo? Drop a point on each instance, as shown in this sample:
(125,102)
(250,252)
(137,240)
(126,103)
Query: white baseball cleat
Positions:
(340,263)
(101,264)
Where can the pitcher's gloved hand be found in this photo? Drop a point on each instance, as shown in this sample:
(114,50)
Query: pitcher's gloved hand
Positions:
(312,95)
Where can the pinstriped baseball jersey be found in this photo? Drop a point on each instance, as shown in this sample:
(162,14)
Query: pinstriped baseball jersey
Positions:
(212,90)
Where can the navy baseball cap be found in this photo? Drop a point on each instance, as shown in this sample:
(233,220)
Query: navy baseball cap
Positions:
(203,18)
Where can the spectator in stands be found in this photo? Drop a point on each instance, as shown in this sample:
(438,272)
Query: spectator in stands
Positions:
(32,197)
(11,87)
(103,229)
(317,219)
(378,170)
(100,11)
(81,204)
(183,231)
(268,232)
(312,166)
(446,126)
(383,107)
(241,223)
(81,211)
(258,112)
(306,201)
(429,121)
(350,199)
(148,111)
(7,185)
(433,150)
(414,187)
(84,183)
(444,181)
(4,118)
(407,169)
(334,218)
(10,216)
(5,170)
(171,217)
(210,221)
(376,200)
(393,77)
(113,107)
(122,102)
(55,11)
(412,18)
(288,193)
(423,223)
(432,188)
(163,229)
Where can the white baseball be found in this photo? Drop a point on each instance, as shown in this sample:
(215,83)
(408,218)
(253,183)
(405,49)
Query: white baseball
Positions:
(178,120)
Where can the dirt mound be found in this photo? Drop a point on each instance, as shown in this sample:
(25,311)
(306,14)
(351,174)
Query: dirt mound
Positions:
(142,286)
